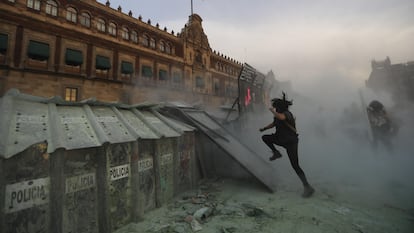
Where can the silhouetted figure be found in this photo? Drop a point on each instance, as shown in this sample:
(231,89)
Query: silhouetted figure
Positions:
(286,137)
(381,124)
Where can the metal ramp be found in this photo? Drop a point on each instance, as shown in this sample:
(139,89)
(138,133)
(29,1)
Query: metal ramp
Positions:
(248,159)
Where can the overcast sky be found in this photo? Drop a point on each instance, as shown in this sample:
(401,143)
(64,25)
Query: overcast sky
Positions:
(306,42)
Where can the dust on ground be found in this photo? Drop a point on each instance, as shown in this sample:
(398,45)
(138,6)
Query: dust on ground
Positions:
(358,188)
(230,206)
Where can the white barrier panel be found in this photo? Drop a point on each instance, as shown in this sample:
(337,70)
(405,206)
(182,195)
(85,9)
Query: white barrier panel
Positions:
(119,172)
(27,194)
(77,183)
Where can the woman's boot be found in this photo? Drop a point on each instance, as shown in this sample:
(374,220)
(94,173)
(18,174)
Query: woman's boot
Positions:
(308,191)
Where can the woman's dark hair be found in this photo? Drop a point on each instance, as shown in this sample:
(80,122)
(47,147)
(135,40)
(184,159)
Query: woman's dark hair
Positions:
(281,104)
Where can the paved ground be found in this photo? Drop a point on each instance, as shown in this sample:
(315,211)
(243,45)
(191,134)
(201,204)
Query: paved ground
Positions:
(227,206)
(358,189)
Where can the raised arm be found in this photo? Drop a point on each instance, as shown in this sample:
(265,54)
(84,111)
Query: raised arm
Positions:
(279,116)
(269,126)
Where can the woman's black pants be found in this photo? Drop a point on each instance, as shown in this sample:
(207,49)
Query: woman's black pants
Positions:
(292,151)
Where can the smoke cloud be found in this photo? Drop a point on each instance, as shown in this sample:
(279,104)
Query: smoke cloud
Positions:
(335,151)
(324,48)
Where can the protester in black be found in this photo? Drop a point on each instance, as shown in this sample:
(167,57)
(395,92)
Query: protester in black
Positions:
(286,137)
(381,125)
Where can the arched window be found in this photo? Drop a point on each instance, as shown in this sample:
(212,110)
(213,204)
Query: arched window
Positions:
(85,19)
(71,14)
(112,29)
(168,48)
(125,33)
(162,46)
(100,25)
(198,57)
(51,8)
(34,4)
(152,43)
(145,40)
(134,36)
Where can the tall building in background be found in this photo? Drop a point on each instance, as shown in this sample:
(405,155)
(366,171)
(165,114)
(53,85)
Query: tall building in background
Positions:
(395,79)
(85,49)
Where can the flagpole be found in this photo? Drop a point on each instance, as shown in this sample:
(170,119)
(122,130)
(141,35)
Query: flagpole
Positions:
(191,7)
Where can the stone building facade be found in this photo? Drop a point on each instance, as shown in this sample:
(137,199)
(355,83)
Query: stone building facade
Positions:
(395,79)
(85,49)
